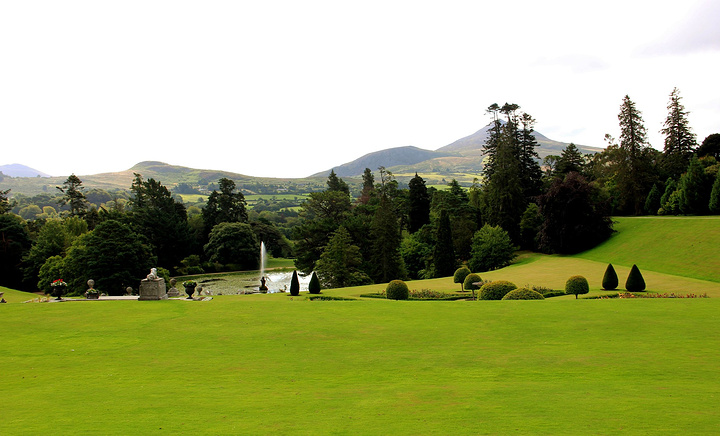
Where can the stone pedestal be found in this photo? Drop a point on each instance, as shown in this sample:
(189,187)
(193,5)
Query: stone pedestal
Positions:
(152,289)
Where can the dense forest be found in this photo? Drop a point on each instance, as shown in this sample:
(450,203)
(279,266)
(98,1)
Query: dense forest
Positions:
(376,231)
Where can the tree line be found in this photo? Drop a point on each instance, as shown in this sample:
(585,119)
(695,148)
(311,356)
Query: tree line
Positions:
(381,231)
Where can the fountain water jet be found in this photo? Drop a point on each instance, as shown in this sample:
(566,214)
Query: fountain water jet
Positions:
(263,261)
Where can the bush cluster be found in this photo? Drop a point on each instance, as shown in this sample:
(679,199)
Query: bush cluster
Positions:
(523,294)
(397,290)
(496,290)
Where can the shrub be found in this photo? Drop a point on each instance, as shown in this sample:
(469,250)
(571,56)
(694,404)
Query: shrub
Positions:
(635,281)
(314,285)
(523,294)
(459,276)
(397,290)
(496,290)
(294,285)
(469,285)
(577,285)
(610,279)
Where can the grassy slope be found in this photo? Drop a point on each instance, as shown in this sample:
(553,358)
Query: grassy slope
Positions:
(237,366)
(684,246)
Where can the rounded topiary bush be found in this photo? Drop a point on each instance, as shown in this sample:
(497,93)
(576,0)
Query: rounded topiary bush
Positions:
(469,283)
(314,285)
(397,290)
(610,278)
(635,281)
(496,290)
(460,275)
(523,294)
(577,285)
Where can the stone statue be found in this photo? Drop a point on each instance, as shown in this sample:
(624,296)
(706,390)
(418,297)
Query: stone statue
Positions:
(262,284)
(153,274)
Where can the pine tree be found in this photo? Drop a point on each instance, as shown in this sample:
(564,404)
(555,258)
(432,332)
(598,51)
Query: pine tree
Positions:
(634,169)
(419,204)
(680,141)
(73,195)
(444,253)
(340,262)
(386,260)
(335,183)
(652,202)
(570,160)
(692,192)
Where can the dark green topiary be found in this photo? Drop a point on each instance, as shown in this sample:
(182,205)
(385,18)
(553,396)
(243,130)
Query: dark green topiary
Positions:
(523,294)
(577,285)
(610,279)
(469,285)
(459,276)
(635,281)
(496,290)
(397,290)
(294,285)
(314,285)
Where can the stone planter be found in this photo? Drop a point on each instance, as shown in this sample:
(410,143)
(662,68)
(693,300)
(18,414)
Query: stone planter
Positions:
(190,290)
(92,295)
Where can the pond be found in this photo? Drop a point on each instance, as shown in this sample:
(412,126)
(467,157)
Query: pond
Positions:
(249,282)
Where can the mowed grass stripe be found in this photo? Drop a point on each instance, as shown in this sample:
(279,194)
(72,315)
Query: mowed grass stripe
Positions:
(240,366)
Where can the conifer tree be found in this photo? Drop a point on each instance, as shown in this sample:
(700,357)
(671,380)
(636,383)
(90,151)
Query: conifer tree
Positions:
(652,202)
(444,253)
(610,278)
(680,141)
(634,167)
(73,195)
(335,183)
(692,192)
(386,260)
(294,285)
(419,204)
(635,281)
(570,160)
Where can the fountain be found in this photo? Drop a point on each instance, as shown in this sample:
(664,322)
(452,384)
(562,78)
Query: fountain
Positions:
(263,261)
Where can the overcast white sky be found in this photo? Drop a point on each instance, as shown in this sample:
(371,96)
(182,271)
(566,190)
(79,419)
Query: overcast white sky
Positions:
(290,88)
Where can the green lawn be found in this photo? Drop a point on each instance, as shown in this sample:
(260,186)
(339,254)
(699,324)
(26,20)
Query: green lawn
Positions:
(685,246)
(289,366)
(275,364)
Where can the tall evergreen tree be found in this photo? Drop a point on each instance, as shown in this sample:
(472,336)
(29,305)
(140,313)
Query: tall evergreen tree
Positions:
(73,196)
(335,183)
(680,141)
(570,160)
(386,260)
(503,190)
(226,206)
(340,262)
(444,254)
(419,204)
(368,186)
(634,169)
(5,204)
(530,171)
(714,205)
(693,194)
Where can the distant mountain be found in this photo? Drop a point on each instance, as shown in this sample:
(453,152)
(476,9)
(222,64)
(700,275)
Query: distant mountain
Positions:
(18,170)
(390,157)
(462,156)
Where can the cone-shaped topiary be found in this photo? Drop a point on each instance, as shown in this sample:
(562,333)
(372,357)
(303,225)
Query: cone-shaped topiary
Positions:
(469,283)
(314,285)
(397,290)
(496,290)
(635,281)
(610,279)
(294,285)
(459,276)
(577,285)
(523,294)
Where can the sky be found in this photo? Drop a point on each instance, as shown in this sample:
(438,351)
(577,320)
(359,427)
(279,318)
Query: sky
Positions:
(292,88)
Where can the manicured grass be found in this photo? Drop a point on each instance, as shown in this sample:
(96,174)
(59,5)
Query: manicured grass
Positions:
(239,366)
(684,246)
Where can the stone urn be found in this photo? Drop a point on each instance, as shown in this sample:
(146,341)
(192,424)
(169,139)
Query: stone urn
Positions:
(190,290)
(92,293)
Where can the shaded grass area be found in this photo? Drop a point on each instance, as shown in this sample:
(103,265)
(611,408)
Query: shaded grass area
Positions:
(684,246)
(240,366)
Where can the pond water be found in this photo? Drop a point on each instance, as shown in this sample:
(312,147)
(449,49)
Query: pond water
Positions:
(249,282)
